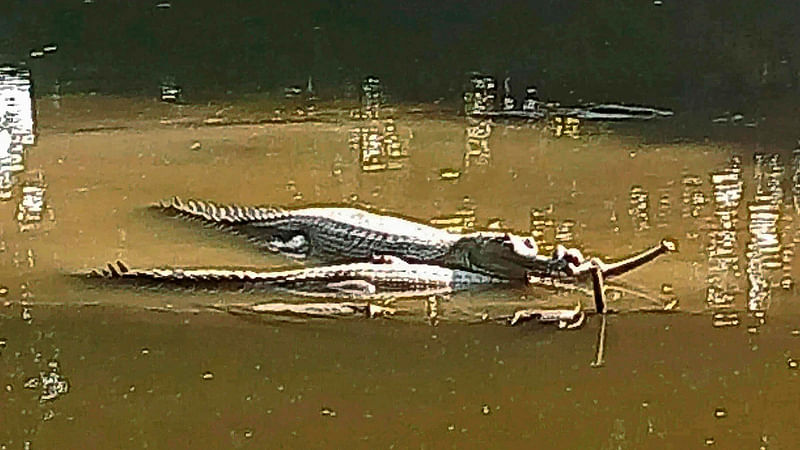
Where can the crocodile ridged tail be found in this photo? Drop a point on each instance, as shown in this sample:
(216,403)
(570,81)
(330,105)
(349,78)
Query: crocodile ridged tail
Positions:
(120,270)
(217,213)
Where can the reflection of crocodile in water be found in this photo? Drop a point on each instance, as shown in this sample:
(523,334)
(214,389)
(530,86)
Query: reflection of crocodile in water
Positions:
(344,235)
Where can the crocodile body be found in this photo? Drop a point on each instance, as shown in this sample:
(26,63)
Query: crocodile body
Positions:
(386,277)
(343,235)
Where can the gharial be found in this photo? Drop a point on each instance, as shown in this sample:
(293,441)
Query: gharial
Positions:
(346,234)
(370,255)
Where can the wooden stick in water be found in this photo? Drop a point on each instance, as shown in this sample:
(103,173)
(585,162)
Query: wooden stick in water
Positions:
(597,287)
(599,357)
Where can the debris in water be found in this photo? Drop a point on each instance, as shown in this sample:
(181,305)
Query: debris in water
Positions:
(323,309)
(196,146)
(449,174)
(53,384)
(208,376)
(720,413)
(564,318)
(31,383)
(328,412)
(792,363)
(486,410)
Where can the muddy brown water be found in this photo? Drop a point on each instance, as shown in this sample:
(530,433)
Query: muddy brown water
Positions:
(141,368)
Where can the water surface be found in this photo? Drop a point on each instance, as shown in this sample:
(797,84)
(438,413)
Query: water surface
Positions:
(163,369)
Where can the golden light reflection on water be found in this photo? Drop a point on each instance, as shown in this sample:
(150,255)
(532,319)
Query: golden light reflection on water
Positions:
(16,126)
(763,251)
(477,148)
(639,208)
(378,147)
(723,260)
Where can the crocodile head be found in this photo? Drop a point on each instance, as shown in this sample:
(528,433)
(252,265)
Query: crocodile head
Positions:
(503,255)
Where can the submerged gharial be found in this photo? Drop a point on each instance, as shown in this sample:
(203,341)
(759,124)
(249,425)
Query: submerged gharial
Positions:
(344,235)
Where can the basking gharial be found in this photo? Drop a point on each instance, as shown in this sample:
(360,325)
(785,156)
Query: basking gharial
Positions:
(383,277)
(372,256)
(344,235)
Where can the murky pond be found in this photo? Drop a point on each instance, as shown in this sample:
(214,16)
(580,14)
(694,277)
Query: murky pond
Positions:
(702,347)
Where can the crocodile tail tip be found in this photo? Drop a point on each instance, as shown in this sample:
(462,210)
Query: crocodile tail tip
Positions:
(212,212)
(169,203)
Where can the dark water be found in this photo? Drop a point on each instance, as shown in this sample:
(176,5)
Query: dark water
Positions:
(712,53)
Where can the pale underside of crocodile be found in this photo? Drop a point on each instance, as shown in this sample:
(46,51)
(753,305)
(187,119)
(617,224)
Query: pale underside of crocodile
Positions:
(344,235)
